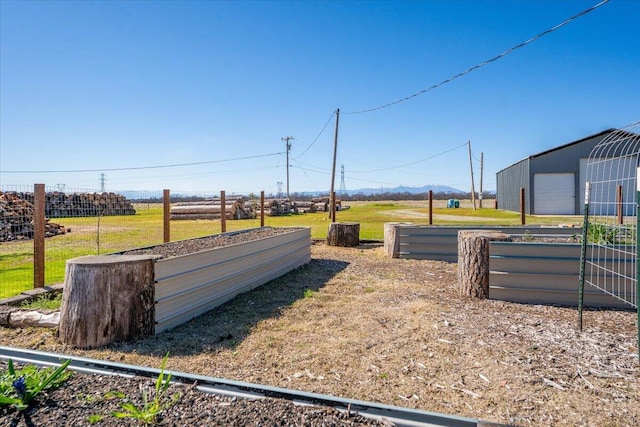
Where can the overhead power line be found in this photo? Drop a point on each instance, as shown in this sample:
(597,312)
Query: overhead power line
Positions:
(414,162)
(314,141)
(146,167)
(486,62)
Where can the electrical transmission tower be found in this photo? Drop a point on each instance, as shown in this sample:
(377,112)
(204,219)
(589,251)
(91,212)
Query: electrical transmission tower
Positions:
(343,187)
(103,179)
(279,184)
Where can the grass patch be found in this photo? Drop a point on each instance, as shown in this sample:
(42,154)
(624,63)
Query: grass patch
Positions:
(92,236)
(48,301)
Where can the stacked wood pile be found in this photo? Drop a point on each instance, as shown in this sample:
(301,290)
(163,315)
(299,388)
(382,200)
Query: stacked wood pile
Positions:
(16,219)
(238,208)
(323,204)
(278,207)
(62,205)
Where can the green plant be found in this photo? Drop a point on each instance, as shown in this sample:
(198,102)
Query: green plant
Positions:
(46,301)
(527,236)
(602,234)
(18,387)
(308,293)
(95,418)
(151,405)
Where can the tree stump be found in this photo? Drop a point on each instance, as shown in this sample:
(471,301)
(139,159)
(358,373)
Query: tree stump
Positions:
(106,299)
(345,234)
(392,239)
(473,260)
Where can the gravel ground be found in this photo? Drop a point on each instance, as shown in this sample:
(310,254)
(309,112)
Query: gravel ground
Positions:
(355,324)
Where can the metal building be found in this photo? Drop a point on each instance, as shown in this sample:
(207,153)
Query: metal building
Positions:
(553,180)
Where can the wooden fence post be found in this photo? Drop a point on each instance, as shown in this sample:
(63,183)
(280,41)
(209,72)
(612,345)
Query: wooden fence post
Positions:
(430,207)
(619,205)
(522,206)
(262,208)
(38,235)
(332,214)
(166,227)
(223,212)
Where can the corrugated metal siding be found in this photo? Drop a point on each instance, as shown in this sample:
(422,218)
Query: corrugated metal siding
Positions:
(509,181)
(538,273)
(440,243)
(563,159)
(190,285)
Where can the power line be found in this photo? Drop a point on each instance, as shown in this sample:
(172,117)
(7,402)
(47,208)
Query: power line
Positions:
(146,167)
(412,163)
(486,62)
(314,141)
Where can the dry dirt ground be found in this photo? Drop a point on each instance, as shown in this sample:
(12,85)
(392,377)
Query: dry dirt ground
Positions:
(356,324)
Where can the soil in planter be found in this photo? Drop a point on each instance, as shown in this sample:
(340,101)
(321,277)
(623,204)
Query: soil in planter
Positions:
(184,247)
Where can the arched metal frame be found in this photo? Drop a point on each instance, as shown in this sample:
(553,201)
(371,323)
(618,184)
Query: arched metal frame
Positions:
(610,238)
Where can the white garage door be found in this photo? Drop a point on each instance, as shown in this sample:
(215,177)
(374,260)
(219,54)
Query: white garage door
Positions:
(554,194)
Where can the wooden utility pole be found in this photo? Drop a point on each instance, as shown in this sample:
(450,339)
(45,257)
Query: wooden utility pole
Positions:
(287,148)
(481,171)
(473,189)
(332,211)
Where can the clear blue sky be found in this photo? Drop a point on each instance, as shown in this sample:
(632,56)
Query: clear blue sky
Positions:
(102,85)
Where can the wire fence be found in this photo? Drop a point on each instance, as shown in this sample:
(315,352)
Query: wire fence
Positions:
(78,222)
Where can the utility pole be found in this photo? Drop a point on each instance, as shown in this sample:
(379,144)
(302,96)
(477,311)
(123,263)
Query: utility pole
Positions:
(473,189)
(288,148)
(332,197)
(481,172)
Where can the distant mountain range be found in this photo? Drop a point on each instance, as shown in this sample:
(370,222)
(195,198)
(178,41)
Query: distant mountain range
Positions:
(404,189)
(136,195)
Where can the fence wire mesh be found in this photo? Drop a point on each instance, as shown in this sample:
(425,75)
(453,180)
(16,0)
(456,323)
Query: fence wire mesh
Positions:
(85,222)
(78,222)
(611,173)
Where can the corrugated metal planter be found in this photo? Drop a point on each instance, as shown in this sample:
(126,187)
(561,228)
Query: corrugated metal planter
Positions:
(189,285)
(137,293)
(440,243)
(542,273)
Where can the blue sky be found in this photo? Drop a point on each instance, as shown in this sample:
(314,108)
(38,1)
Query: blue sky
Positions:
(106,85)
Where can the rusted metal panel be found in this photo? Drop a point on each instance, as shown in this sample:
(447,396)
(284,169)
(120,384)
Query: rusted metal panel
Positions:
(190,285)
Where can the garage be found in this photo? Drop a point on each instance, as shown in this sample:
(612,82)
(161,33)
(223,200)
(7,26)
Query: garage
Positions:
(554,193)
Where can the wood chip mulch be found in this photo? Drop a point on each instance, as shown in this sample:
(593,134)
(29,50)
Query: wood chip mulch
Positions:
(356,324)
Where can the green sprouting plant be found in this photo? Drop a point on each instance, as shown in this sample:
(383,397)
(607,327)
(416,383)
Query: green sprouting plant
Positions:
(308,293)
(18,387)
(95,418)
(527,236)
(152,403)
(602,234)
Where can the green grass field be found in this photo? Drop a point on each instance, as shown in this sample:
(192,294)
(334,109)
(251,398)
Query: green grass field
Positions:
(91,236)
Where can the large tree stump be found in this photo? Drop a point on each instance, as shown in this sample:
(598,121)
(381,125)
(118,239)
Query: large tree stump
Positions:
(106,299)
(344,234)
(473,260)
(392,239)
